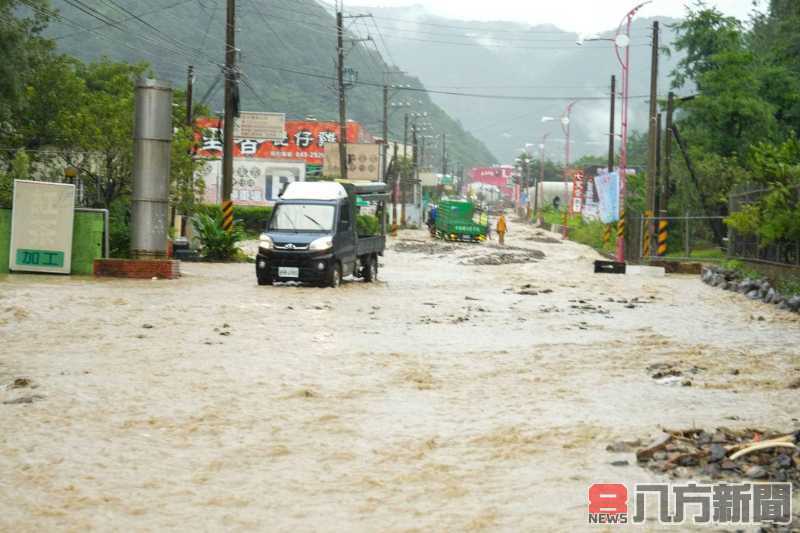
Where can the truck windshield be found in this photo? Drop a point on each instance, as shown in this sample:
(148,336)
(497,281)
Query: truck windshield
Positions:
(302,217)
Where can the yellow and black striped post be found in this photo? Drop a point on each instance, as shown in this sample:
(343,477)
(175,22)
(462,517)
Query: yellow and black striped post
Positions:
(227,215)
(663,226)
(621,225)
(607,235)
(648,237)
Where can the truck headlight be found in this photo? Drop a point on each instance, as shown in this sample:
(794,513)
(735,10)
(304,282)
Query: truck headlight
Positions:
(320,245)
(265,242)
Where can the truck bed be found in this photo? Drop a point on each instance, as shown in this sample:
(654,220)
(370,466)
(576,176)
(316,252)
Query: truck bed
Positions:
(370,245)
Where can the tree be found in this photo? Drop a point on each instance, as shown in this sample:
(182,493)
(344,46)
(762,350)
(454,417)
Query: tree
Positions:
(21,47)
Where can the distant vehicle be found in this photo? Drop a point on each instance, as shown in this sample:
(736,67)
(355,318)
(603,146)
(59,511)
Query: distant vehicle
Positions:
(460,220)
(313,236)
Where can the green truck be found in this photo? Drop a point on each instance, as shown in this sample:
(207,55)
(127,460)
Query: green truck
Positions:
(460,220)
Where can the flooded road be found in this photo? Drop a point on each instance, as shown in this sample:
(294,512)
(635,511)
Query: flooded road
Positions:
(472,389)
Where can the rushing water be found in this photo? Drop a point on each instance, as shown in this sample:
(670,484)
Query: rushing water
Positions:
(438,399)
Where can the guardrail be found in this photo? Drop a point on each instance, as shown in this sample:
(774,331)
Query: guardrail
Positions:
(686,238)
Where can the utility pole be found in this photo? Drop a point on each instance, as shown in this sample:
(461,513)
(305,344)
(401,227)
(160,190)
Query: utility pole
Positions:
(396,186)
(667,178)
(444,155)
(403,174)
(611,124)
(415,173)
(405,135)
(385,149)
(231,111)
(189,95)
(652,162)
(342,97)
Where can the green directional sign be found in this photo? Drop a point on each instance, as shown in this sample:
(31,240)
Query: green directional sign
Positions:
(40,258)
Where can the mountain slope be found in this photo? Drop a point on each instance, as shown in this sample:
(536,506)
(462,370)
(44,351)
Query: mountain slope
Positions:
(517,60)
(287,59)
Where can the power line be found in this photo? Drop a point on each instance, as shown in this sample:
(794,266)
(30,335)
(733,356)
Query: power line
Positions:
(151,12)
(155,30)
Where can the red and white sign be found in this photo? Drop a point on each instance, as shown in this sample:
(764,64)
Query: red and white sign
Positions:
(305,141)
(500,176)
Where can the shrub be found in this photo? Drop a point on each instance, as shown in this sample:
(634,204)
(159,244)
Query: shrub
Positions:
(252,218)
(119,233)
(217,243)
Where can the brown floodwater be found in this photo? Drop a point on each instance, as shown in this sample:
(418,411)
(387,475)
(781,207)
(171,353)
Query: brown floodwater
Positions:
(438,399)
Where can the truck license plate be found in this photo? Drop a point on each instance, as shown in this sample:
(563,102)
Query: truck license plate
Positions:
(288,272)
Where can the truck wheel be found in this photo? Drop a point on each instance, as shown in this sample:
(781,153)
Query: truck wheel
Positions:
(335,276)
(264,280)
(371,270)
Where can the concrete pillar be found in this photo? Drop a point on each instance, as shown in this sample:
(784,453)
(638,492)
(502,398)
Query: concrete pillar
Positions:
(152,146)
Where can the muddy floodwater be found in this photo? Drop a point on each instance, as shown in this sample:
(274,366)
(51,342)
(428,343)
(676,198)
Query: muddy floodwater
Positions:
(458,394)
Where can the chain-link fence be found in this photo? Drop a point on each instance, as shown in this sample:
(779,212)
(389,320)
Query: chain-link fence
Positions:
(750,247)
(686,238)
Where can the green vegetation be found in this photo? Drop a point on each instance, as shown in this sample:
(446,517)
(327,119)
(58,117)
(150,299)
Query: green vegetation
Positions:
(585,232)
(217,244)
(272,33)
(252,219)
(741,126)
(367,225)
(57,112)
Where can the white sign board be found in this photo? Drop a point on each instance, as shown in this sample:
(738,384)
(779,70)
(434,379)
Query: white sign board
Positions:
(41,227)
(255,181)
(249,125)
(363,161)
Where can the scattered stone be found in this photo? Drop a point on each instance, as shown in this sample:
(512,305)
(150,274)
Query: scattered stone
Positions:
(620,463)
(770,297)
(795,384)
(148,326)
(691,453)
(754,295)
(24,399)
(735,372)
(718,453)
(225,333)
(756,472)
(686,383)
(794,303)
(667,373)
(471,299)
(623,446)
(21,383)
(528,292)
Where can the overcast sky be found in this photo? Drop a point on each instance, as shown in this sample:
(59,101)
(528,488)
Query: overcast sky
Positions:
(582,16)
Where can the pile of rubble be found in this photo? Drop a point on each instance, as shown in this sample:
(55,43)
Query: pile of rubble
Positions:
(423,247)
(725,454)
(755,289)
(506,258)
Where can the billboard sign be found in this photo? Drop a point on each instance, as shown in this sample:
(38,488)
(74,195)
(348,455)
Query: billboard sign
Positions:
(363,161)
(252,125)
(41,227)
(255,181)
(303,140)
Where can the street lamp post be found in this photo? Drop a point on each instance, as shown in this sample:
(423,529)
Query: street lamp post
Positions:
(541,180)
(622,40)
(565,125)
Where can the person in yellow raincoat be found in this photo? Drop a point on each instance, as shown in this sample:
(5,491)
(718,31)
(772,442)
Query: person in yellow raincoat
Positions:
(502,228)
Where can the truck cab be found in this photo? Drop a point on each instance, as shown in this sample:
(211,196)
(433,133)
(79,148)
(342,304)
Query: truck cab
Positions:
(313,235)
